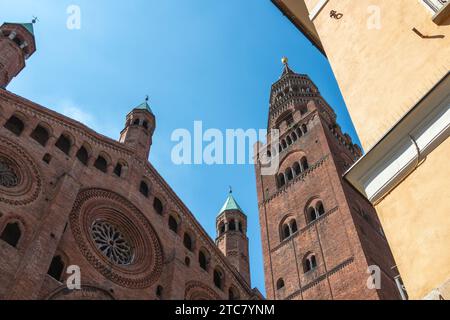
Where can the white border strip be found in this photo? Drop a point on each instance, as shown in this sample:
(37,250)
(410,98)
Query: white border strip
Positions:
(319,6)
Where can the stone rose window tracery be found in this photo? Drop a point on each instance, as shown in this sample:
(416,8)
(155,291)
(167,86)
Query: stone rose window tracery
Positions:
(112,243)
(8,177)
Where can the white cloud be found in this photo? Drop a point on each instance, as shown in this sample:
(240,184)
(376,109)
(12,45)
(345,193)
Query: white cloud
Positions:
(71,110)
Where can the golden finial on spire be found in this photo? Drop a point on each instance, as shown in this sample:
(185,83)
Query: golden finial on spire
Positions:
(284,60)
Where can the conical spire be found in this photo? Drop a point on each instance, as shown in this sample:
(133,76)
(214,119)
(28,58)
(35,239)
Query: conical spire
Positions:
(230,203)
(286,69)
(144,106)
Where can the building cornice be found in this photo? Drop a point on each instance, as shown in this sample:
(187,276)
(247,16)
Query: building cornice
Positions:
(405,145)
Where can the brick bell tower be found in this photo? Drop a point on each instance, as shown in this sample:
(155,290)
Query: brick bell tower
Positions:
(319,235)
(231,226)
(139,128)
(17,44)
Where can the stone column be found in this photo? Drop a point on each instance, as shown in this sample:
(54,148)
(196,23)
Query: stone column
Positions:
(36,260)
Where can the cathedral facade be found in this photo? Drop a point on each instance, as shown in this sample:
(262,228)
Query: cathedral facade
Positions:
(321,238)
(72,200)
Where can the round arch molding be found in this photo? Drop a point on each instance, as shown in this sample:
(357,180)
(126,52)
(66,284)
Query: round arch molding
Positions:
(20,179)
(87,292)
(198,291)
(116,238)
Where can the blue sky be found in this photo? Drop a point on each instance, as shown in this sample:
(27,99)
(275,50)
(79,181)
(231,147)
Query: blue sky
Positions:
(212,61)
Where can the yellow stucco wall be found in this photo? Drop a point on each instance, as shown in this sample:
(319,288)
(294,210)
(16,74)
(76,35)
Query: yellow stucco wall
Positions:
(416,219)
(382,73)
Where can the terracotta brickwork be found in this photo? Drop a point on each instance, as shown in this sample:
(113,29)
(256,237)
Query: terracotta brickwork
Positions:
(70,196)
(319,235)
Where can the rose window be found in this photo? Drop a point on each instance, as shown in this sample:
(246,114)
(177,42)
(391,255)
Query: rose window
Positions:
(8,177)
(112,243)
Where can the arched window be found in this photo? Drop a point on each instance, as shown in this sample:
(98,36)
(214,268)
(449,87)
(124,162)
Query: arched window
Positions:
(294,228)
(312,214)
(158,206)
(143,189)
(241,229)
(313,262)
(280,284)
(284,144)
(309,263)
(145,124)
(136,122)
(221,228)
(159,292)
(83,156)
(47,158)
(232,225)
(304,128)
(289,140)
(64,144)
(101,164)
(289,174)
(202,260)
(286,231)
(11,234)
(187,242)
(320,209)
(294,137)
(40,134)
(173,224)
(218,279)
(280,148)
(299,132)
(297,169)
(15,125)
(118,169)
(233,294)
(281,180)
(304,163)
(56,268)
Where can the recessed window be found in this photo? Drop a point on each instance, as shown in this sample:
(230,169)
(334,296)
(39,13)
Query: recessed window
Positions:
(232,225)
(173,224)
(218,279)
(63,144)
(304,164)
(281,180)
(11,234)
(143,189)
(56,268)
(159,291)
(297,169)
(47,158)
(221,228)
(187,261)
(202,261)
(101,164)
(280,284)
(118,170)
(40,134)
(309,263)
(83,156)
(15,125)
(158,206)
(289,174)
(187,242)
